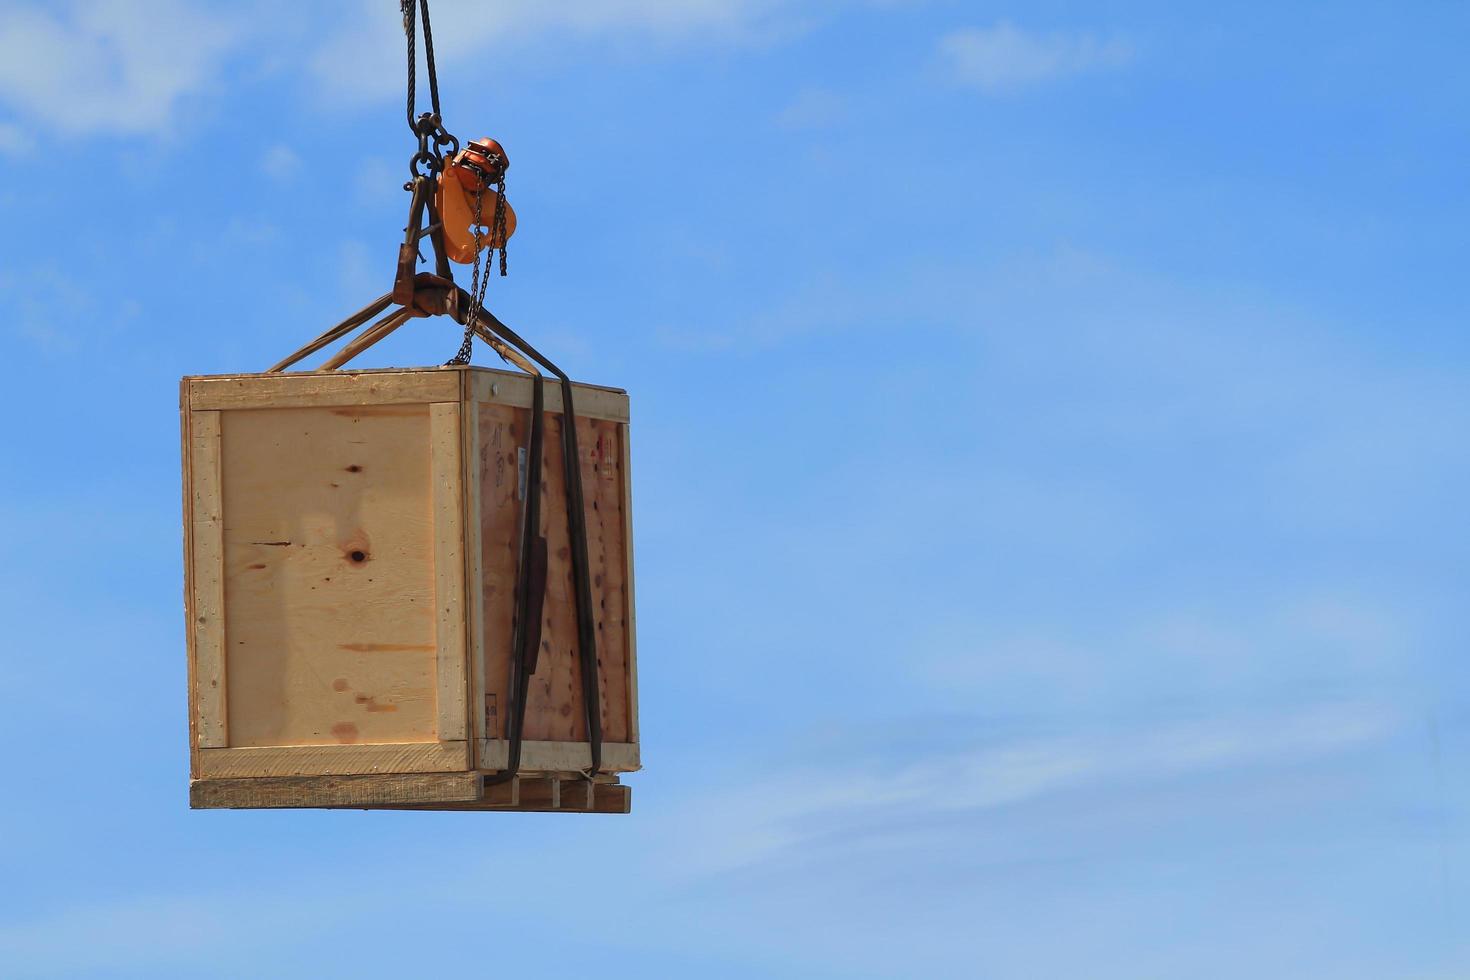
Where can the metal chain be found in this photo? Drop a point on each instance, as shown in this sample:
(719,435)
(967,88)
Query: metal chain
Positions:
(478,284)
(477,291)
(497,234)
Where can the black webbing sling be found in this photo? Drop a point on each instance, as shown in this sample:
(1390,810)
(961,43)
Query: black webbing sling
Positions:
(531,575)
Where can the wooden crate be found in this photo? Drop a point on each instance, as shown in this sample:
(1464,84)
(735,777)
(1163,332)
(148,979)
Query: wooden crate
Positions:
(351,542)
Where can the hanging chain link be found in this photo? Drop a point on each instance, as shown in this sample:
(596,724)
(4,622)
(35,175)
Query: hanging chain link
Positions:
(498,231)
(480,278)
(477,291)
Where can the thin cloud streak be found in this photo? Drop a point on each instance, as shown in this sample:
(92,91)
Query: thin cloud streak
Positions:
(280,162)
(1005,58)
(814,108)
(366,62)
(779,818)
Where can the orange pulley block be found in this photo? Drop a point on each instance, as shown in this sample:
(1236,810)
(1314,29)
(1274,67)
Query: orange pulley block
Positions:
(481,163)
(477,171)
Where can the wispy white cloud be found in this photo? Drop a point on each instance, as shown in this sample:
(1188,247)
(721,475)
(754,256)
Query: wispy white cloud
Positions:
(364,60)
(1005,58)
(109,65)
(45,308)
(1062,659)
(249,231)
(14,140)
(792,812)
(280,162)
(813,108)
(101,66)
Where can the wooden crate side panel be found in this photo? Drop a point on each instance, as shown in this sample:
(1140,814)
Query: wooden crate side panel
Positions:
(554,709)
(330,576)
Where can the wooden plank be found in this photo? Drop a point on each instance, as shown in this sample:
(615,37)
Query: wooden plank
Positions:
(299,390)
(208,608)
(571,796)
(474,610)
(330,576)
(455,370)
(416,791)
(188,513)
(543,756)
(315,760)
(575,794)
(630,607)
(554,709)
(510,388)
(449,571)
(336,791)
(507,793)
(539,796)
(502,432)
(601,444)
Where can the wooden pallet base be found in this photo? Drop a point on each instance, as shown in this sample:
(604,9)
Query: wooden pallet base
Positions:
(541,793)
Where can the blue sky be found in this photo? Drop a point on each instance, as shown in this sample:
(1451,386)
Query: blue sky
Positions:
(1049,479)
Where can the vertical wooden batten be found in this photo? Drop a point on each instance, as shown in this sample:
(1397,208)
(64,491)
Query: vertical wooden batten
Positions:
(206,526)
(449,591)
(629,610)
(474,610)
(187,495)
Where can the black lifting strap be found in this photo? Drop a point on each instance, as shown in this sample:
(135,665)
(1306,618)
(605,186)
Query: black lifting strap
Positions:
(531,585)
(525,641)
